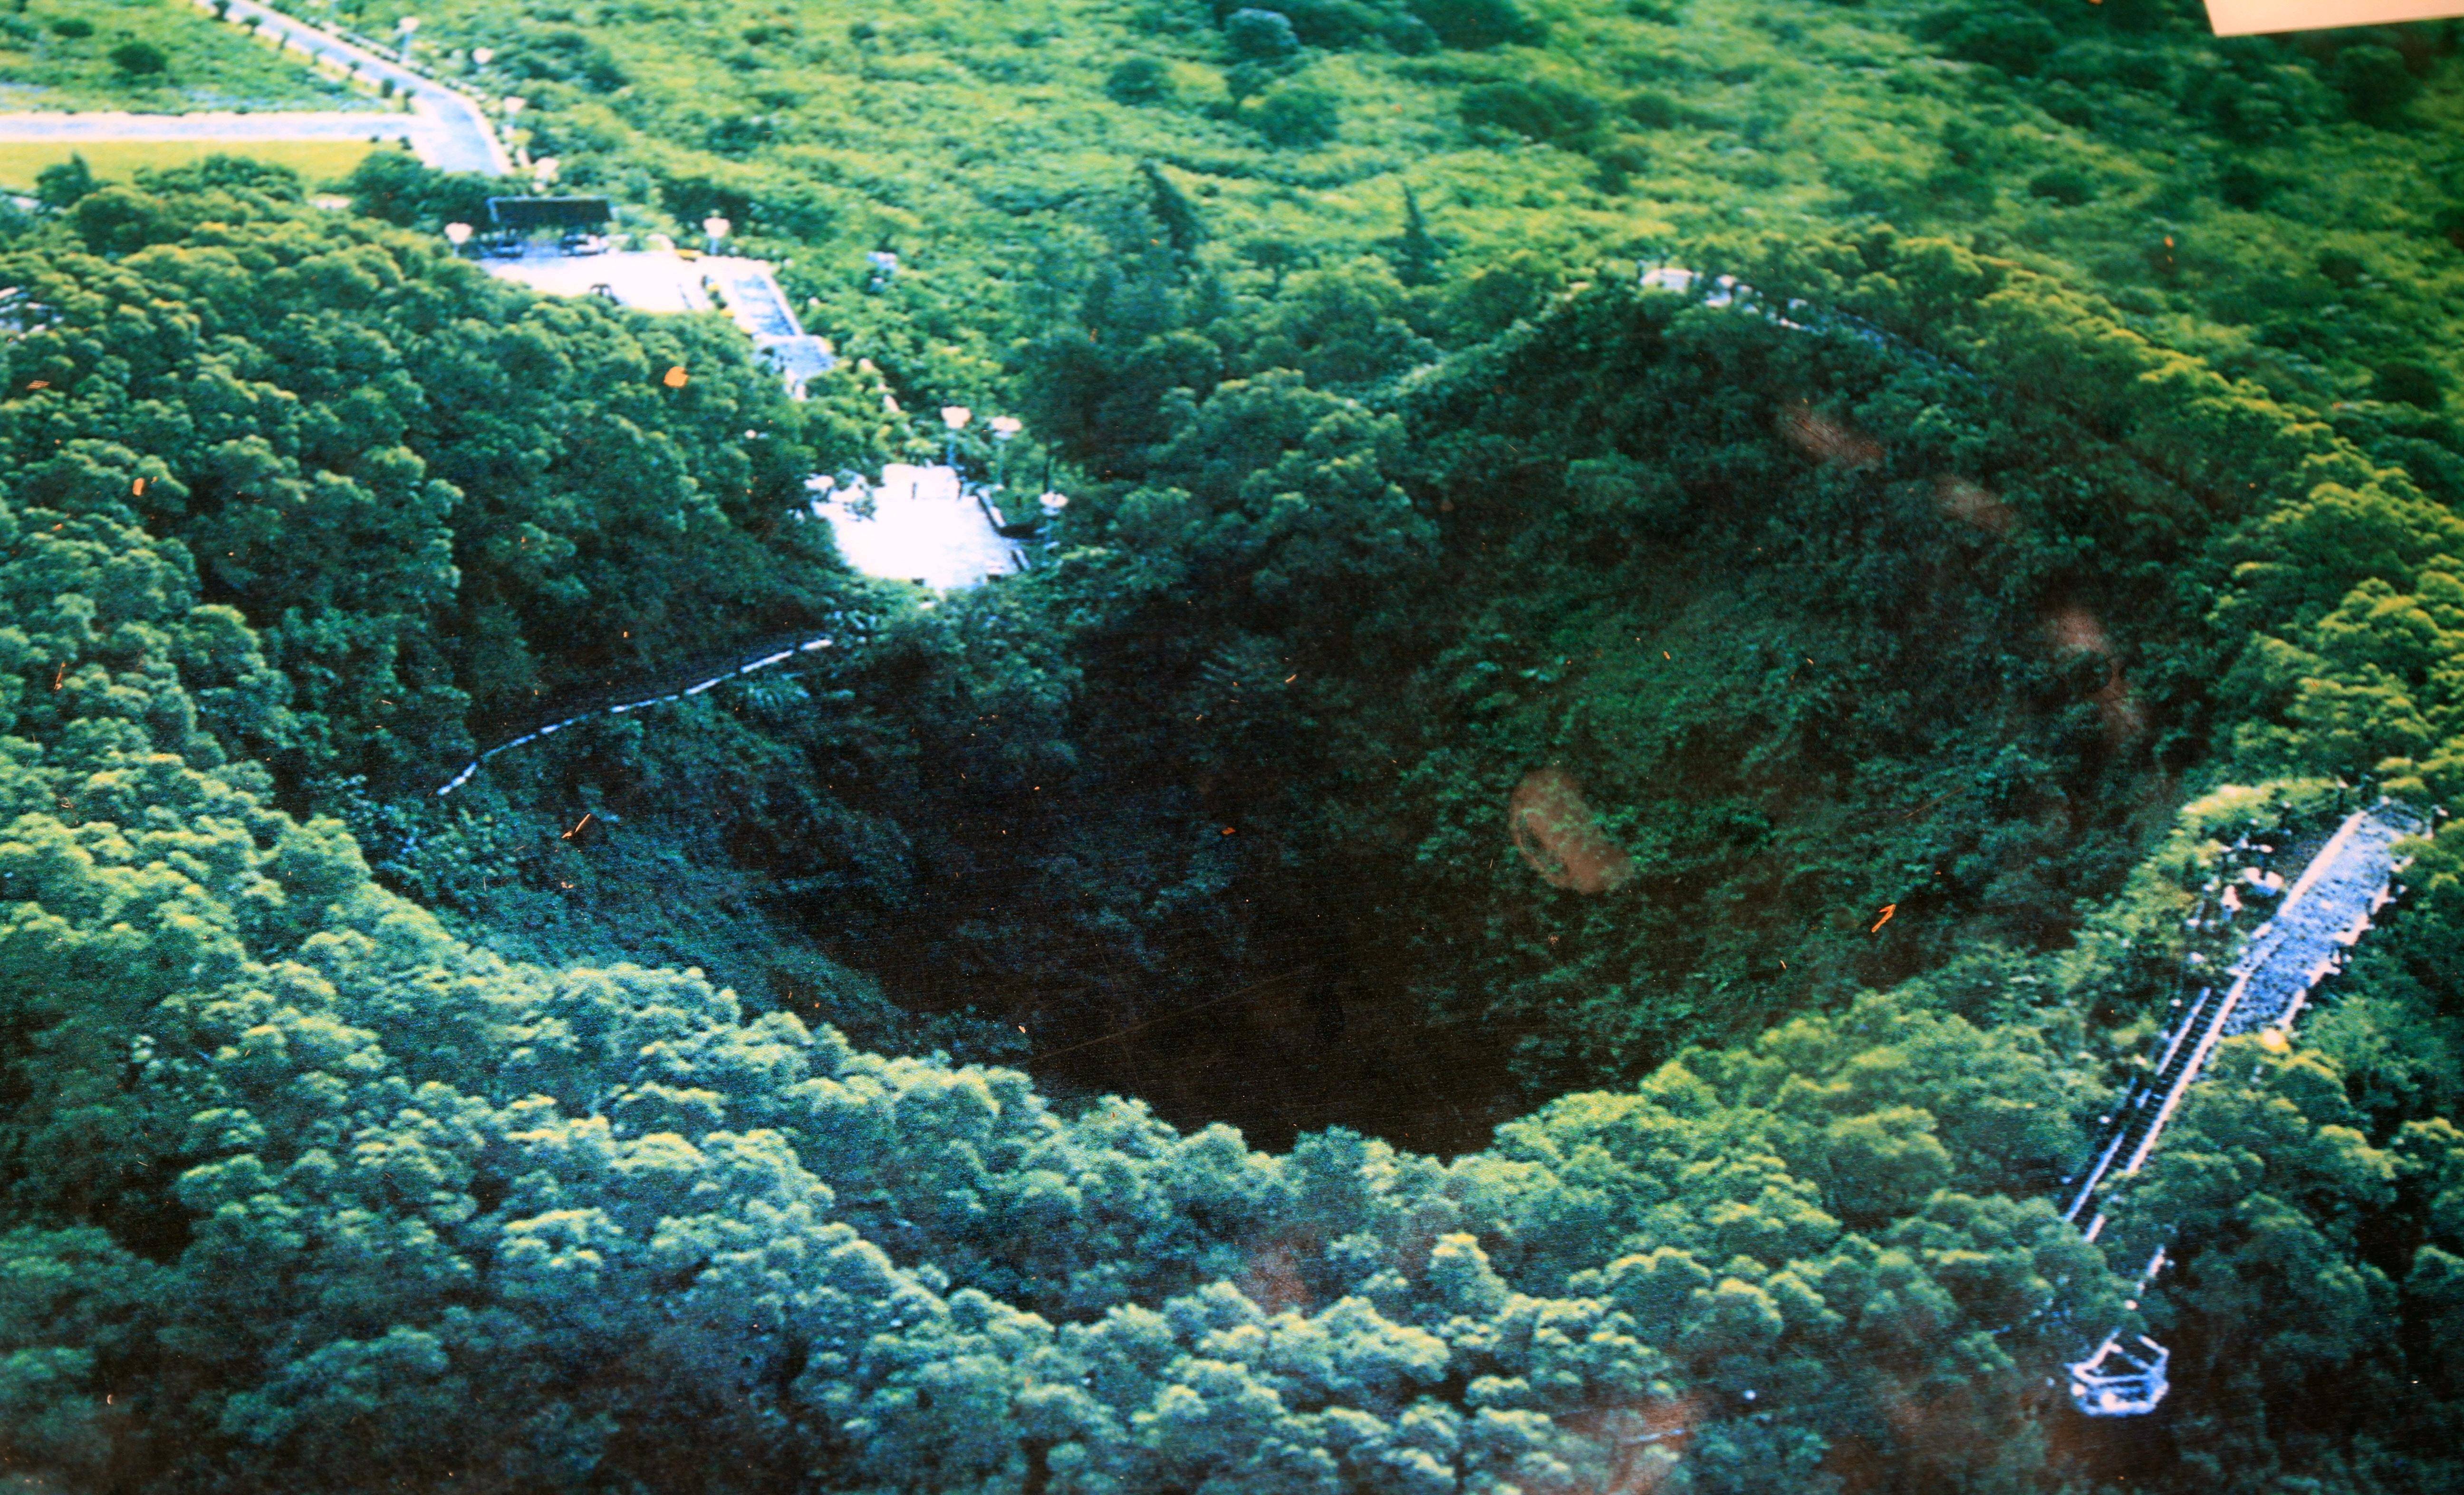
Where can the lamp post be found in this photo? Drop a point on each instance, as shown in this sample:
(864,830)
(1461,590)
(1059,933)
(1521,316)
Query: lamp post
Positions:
(407,27)
(481,56)
(956,417)
(457,234)
(716,228)
(1004,426)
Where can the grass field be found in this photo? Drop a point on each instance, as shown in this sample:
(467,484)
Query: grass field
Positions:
(117,160)
(211,65)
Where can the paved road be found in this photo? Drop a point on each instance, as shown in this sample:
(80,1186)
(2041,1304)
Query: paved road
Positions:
(458,135)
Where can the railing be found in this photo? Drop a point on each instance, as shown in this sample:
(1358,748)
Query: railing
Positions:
(852,629)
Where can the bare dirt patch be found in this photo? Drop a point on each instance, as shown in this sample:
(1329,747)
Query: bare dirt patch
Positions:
(1973,505)
(1556,832)
(1826,440)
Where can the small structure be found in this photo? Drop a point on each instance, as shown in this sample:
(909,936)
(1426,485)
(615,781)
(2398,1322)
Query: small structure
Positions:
(2114,1382)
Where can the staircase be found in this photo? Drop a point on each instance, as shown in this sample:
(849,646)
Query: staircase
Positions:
(2323,917)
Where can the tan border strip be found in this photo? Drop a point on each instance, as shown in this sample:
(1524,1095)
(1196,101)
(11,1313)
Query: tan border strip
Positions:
(2248,17)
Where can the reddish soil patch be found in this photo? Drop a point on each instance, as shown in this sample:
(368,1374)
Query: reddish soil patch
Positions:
(2076,630)
(1973,505)
(1272,1279)
(1825,440)
(2118,705)
(1649,1438)
(1555,829)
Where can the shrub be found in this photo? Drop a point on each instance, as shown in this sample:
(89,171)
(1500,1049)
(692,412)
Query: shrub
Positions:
(1618,163)
(1408,35)
(1331,23)
(2062,186)
(1653,111)
(2243,186)
(61,186)
(1475,25)
(75,27)
(2374,82)
(1141,80)
(1538,111)
(1261,36)
(2404,382)
(1297,116)
(140,58)
(2015,41)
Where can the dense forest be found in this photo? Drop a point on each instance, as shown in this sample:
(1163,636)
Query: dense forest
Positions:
(1535,894)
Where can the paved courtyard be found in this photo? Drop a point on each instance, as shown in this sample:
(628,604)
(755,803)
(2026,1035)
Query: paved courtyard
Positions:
(663,280)
(916,525)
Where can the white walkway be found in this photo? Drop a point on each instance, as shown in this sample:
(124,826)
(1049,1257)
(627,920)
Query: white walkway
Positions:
(112,125)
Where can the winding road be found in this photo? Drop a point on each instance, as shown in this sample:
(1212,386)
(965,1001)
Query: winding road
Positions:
(448,128)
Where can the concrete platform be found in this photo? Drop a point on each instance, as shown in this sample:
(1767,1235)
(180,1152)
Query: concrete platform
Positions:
(663,280)
(916,525)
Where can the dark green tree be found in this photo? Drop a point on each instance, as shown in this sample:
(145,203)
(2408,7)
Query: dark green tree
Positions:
(1139,80)
(1477,24)
(140,59)
(62,186)
(1257,36)
(1297,116)
(1416,251)
(1172,211)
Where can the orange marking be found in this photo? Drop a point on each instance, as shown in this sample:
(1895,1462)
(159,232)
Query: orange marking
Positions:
(57,674)
(40,383)
(575,831)
(137,490)
(676,376)
(1888,910)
